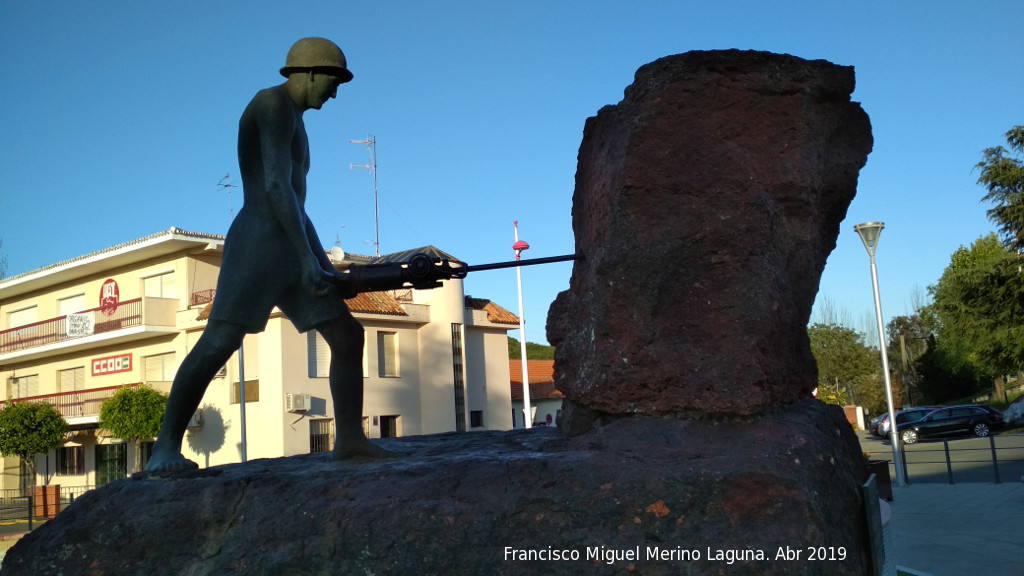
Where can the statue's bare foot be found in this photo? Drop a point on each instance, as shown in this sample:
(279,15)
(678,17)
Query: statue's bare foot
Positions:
(174,462)
(361,449)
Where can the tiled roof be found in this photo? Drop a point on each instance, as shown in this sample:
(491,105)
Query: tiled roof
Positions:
(375,303)
(542,379)
(495,313)
(365,303)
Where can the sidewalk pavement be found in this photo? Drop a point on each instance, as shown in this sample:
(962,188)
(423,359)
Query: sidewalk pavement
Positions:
(958,529)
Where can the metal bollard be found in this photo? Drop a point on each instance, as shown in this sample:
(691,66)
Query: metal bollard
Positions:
(906,470)
(31,512)
(995,460)
(949,465)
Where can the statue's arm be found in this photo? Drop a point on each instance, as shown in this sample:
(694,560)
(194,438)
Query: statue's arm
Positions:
(317,247)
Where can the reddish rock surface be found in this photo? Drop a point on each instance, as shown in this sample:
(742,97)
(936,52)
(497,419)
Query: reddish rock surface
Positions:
(706,204)
(454,502)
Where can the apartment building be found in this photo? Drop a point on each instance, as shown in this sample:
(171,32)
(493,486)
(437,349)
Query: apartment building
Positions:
(74,332)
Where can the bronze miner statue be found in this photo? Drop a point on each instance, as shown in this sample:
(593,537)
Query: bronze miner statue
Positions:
(273,257)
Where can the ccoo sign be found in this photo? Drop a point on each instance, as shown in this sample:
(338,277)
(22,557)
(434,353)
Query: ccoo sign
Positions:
(112,365)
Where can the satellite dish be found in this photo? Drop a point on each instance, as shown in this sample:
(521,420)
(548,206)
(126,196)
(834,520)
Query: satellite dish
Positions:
(337,254)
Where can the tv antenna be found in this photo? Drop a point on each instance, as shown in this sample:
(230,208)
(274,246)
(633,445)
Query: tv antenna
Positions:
(371,146)
(225,182)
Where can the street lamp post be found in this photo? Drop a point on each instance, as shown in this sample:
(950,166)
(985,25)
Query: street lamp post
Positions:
(869,233)
(519,246)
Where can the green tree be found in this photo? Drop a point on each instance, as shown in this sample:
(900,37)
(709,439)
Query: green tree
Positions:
(948,371)
(848,370)
(534,351)
(134,413)
(30,428)
(979,301)
(1002,175)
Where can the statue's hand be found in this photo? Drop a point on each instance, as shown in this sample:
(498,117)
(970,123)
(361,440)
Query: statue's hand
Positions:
(344,282)
(314,278)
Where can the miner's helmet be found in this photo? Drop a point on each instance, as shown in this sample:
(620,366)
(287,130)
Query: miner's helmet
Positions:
(318,55)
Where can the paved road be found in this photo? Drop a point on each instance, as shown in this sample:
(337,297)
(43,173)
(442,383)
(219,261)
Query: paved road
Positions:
(970,459)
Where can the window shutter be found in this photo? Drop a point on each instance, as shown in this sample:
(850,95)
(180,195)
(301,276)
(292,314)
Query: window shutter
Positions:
(318,354)
(73,379)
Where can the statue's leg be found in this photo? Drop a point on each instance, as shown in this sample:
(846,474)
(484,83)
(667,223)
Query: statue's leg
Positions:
(219,341)
(344,336)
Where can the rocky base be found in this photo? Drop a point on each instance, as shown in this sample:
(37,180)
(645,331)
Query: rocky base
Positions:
(649,496)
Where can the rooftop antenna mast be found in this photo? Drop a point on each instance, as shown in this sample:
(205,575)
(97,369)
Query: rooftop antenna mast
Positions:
(225,182)
(371,146)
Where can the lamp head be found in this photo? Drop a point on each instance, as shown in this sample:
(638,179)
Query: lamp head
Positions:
(869,233)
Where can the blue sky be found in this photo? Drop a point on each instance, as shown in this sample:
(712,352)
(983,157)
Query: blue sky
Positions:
(118,120)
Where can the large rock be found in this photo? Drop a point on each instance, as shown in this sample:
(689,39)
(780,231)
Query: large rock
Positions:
(459,503)
(706,204)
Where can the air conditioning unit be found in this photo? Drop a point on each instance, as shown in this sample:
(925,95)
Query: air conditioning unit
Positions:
(196,421)
(296,402)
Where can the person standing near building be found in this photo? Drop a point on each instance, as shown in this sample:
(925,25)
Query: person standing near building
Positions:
(273,257)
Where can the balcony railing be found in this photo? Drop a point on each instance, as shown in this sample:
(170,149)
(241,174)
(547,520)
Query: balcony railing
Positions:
(76,404)
(129,314)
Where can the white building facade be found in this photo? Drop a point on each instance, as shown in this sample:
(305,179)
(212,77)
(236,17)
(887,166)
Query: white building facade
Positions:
(73,333)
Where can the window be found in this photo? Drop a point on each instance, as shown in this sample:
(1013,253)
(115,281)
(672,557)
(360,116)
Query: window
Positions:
(387,354)
(29,334)
(476,419)
(159,368)
(71,379)
(70,460)
(71,304)
(318,355)
(252,391)
(161,286)
(111,463)
(22,317)
(321,435)
(460,378)
(24,387)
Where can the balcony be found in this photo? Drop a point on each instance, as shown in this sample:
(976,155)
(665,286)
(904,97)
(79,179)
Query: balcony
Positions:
(132,320)
(80,408)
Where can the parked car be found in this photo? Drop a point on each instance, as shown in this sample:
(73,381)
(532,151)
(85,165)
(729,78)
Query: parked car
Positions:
(902,417)
(953,420)
(873,427)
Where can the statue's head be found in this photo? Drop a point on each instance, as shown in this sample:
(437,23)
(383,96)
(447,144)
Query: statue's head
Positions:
(317,55)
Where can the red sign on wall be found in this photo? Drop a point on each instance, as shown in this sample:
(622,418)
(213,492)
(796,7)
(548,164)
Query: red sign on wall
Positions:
(112,365)
(109,297)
